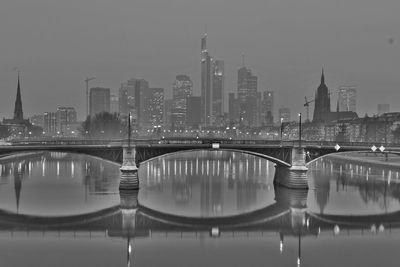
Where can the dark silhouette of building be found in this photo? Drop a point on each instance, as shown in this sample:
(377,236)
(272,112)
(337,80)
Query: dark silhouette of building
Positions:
(322,101)
(193,118)
(18,120)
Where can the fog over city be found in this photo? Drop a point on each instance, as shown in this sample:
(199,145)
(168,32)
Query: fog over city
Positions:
(57,44)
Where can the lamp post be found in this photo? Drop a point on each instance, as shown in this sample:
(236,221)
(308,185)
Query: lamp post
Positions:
(281,131)
(300,130)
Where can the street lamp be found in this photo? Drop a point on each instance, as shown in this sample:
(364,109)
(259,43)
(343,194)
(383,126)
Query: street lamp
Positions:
(281,131)
(300,130)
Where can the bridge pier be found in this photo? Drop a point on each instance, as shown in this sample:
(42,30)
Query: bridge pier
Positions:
(129,171)
(295,176)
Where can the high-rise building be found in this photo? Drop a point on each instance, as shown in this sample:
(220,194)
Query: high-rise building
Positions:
(284,114)
(168,103)
(99,100)
(206,83)
(233,108)
(347,98)
(114,104)
(267,109)
(217,92)
(322,101)
(383,108)
(65,118)
(133,96)
(155,106)
(50,123)
(247,97)
(37,120)
(181,90)
(193,117)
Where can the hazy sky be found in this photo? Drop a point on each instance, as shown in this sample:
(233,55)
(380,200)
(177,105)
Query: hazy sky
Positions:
(57,44)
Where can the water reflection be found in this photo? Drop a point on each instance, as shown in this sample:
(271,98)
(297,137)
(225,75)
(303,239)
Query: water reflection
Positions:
(187,218)
(206,183)
(345,187)
(53,183)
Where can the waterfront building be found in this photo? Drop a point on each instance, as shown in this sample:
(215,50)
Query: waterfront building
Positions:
(66,120)
(347,98)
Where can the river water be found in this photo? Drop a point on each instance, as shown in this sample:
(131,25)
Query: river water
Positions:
(205,208)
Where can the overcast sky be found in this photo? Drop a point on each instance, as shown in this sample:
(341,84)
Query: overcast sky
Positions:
(57,44)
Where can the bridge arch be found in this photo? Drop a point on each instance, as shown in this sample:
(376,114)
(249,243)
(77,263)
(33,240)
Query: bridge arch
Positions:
(260,155)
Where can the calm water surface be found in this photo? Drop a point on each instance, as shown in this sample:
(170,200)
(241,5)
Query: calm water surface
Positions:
(209,208)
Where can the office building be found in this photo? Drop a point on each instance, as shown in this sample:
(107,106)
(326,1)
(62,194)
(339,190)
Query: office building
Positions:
(99,100)
(247,97)
(193,118)
(181,90)
(155,107)
(267,108)
(65,120)
(233,108)
(217,92)
(114,104)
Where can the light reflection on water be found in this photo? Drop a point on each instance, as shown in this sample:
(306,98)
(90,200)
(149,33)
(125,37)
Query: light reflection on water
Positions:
(281,227)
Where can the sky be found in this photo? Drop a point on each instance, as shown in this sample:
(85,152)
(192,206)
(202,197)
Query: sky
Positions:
(57,44)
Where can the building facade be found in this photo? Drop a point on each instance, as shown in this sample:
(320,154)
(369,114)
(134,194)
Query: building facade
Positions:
(347,98)
(247,97)
(182,89)
(99,100)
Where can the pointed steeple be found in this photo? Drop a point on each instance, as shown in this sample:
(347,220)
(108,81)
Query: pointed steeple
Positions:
(18,114)
(322,77)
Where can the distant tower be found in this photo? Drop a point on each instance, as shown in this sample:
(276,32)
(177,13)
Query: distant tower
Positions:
(322,101)
(206,83)
(18,114)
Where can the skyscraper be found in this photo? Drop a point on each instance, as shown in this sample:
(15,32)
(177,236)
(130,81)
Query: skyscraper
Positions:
(267,109)
(217,92)
(206,83)
(155,106)
(347,98)
(322,101)
(247,97)
(99,100)
(181,90)
(233,108)
(193,117)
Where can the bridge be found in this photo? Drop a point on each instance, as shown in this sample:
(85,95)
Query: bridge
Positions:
(290,159)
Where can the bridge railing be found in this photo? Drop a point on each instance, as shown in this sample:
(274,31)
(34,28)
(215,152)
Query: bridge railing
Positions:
(195,140)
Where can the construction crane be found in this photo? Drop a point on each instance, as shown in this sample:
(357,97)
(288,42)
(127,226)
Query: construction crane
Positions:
(307,105)
(87,80)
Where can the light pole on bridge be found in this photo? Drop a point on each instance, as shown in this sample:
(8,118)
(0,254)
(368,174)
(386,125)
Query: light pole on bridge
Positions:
(300,129)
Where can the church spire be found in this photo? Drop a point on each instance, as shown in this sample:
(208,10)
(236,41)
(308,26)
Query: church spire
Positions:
(18,114)
(322,76)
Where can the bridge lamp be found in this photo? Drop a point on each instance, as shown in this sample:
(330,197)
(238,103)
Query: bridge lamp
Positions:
(43,133)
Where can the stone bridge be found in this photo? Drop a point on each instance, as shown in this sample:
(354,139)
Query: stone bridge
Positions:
(290,159)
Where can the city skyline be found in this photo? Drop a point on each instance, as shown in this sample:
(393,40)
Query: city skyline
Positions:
(283,48)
